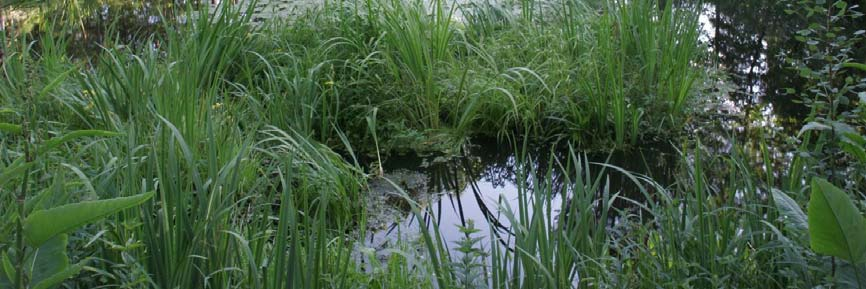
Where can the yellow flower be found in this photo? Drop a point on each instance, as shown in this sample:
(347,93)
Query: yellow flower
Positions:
(217,105)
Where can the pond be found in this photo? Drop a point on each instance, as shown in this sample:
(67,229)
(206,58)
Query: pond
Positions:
(747,40)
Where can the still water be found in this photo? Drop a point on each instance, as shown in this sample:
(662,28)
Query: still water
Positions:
(484,183)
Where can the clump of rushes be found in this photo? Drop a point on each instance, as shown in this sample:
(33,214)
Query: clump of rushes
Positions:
(641,73)
(417,45)
(662,40)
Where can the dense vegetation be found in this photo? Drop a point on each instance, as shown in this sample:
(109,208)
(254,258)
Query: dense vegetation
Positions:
(219,152)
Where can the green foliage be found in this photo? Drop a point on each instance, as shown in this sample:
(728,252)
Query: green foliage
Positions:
(43,225)
(470,270)
(418,45)
(42,233)
(833,91)
(50,262)
(246,135)
(10,128)
(789,208)
(859,66)
(46,239)
(836,227)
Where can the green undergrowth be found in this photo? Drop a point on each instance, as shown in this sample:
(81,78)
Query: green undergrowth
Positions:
(437,79)
(248,136)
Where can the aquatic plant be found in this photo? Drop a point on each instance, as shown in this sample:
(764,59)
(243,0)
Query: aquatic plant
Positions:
(418,45)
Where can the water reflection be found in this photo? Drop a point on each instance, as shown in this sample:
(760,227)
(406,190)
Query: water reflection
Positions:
(89,24)
(487,181)
(750,39)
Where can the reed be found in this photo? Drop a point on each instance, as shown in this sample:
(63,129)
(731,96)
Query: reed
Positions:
(418,45)
(664,39)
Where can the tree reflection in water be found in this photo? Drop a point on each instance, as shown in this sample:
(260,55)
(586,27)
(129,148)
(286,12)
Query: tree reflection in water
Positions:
(487,180)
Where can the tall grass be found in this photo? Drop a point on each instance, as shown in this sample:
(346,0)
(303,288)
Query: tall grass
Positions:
(555,247)
(183,143)
(180,147)
(664,39)
(641,73)
(608,91)
(291,83)
(418,45)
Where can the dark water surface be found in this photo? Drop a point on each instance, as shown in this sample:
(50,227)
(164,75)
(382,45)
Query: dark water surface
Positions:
(480,185)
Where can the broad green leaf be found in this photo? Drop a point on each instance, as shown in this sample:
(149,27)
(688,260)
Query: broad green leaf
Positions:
(42,225)
(813,126)
(843,128)
(59,277)
(836,228)
(854,144)
(857,151)
(57,141)
(49,259)
(855,65)
(790,210)
(854,138)
(10,128)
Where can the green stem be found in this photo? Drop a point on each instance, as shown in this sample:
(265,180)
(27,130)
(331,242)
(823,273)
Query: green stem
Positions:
(20,282)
